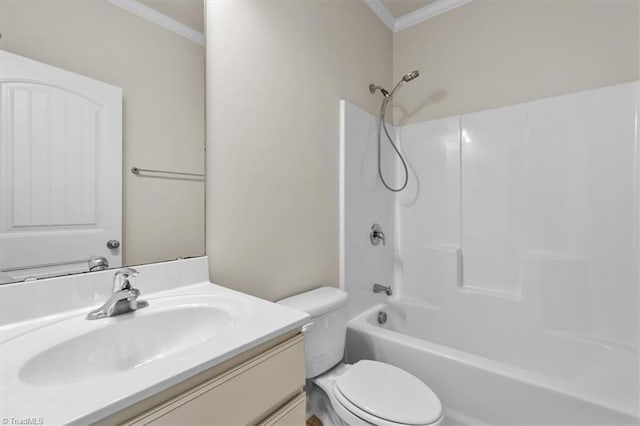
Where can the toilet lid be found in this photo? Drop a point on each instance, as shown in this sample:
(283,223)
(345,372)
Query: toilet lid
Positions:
(389,393)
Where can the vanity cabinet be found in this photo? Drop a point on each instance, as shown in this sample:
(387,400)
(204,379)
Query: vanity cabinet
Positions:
(262,386)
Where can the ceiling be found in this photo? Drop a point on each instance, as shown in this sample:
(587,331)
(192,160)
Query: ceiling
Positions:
(188,12)
(399,8)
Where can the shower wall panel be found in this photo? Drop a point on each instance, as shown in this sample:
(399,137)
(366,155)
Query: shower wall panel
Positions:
(541,252)
(493,145)
(364,201)
(428,251)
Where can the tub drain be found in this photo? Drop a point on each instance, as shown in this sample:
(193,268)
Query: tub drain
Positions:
(382,317)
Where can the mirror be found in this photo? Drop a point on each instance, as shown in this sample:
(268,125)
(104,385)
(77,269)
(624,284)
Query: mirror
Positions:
(101,134)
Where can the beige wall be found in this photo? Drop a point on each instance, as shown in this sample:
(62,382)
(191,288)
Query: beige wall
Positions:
(162,77)
(276,70)
(491,53)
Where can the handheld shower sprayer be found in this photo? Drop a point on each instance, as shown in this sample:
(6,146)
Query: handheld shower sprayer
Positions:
(383,110)
(408,77)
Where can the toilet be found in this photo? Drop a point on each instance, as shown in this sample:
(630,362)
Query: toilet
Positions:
(367,392)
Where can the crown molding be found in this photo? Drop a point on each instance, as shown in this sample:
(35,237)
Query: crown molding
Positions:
(424,13)
(382,12)
(417,16)
(160,19)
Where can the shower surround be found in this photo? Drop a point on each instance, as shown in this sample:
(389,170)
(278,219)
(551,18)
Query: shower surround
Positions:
(513,253)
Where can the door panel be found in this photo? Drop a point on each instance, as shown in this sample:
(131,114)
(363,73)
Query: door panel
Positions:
(60,169)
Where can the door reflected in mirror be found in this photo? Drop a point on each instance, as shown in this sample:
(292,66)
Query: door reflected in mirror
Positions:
(83,107)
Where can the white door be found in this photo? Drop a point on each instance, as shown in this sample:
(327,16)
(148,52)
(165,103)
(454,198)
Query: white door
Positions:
(60,169)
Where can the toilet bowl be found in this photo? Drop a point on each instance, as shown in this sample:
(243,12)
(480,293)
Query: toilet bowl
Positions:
(367,392)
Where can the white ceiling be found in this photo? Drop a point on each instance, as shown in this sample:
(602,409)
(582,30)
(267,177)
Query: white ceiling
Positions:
(188,12)
(399,8)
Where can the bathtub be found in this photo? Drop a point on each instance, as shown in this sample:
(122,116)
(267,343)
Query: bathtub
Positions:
(538,379)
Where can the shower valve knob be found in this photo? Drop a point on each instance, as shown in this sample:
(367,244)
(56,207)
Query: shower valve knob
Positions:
(376,235)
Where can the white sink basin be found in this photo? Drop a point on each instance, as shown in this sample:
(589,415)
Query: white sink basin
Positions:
(74,349)
(124,344)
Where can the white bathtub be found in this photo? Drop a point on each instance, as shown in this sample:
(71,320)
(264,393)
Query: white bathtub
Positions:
(525,380)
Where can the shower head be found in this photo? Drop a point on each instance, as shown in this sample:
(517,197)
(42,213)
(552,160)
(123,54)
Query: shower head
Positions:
(408,77)
(405,79)
(387,96)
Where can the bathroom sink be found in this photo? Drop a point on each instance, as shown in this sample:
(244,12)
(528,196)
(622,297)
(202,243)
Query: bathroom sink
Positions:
(74,349)
(127,342)
(79,371)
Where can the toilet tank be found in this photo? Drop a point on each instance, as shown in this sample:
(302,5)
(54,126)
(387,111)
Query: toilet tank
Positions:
(324,339)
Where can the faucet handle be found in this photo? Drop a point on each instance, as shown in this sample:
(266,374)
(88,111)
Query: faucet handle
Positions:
(376,235)
(98,263)
(126,275)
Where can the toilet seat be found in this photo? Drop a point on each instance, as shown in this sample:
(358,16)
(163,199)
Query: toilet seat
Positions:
(380,394)
(363,415)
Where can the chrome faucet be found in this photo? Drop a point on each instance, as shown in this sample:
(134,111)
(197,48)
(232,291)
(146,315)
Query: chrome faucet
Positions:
(379,288)
(98,263)
(376,235)
(124,297)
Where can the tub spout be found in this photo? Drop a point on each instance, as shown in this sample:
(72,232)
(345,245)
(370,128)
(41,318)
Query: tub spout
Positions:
(379,288)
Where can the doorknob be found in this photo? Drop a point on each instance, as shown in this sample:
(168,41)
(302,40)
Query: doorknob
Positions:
(113,244)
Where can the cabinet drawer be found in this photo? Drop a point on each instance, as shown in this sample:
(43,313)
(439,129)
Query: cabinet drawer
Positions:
(294,413)
(240,396)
